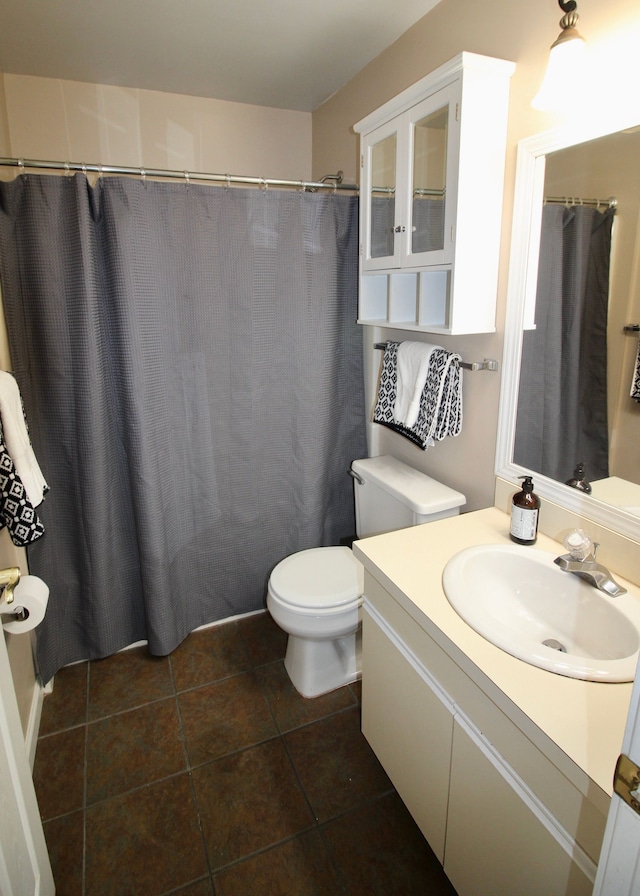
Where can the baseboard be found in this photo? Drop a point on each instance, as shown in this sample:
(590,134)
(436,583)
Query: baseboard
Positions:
(33,722)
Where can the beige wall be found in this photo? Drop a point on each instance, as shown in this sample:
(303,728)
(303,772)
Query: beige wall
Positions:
(4,124)
(93,123)
(517,30)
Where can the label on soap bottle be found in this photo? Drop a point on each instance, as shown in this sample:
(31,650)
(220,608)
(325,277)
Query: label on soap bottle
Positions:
(524,523)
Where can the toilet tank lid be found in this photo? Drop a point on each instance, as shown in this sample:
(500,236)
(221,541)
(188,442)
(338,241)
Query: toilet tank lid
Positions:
(417,490)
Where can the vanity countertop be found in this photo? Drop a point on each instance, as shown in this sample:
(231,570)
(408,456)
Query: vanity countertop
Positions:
(578,724)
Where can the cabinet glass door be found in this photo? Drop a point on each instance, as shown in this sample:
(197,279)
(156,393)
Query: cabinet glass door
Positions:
(382,200)
(428,193)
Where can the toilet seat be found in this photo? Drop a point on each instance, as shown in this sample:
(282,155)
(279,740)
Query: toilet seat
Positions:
(318,580)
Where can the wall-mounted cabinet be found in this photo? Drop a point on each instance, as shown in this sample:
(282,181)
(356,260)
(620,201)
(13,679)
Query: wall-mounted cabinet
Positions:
(432,172)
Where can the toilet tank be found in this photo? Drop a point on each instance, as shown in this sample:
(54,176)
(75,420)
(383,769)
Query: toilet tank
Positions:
(391,495)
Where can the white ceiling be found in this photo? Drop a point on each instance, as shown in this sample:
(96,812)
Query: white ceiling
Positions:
(290,54)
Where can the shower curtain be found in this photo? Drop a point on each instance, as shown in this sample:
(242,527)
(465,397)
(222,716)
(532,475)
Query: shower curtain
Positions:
(192,377)
(562,405)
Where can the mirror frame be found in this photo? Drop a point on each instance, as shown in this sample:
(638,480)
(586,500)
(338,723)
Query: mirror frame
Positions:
(521,296)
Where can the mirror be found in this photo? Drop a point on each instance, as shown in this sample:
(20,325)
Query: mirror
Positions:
(573,162)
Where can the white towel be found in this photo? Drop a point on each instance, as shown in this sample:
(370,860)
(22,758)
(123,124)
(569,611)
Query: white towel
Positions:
(16,438)
(412,371)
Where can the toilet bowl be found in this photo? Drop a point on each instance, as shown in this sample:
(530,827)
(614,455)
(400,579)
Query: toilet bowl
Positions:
(315,595)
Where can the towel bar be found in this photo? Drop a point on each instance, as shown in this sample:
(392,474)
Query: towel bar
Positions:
(487,364)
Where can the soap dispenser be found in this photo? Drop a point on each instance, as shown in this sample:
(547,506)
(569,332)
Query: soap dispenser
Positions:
(524,514)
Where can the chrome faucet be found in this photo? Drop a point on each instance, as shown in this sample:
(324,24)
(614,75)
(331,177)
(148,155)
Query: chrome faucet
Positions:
(581,562)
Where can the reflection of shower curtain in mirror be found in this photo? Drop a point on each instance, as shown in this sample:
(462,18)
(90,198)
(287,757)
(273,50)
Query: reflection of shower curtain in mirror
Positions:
(562,406)
(192,372)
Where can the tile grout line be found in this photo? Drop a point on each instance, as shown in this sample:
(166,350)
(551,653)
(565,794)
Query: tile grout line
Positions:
(189,769)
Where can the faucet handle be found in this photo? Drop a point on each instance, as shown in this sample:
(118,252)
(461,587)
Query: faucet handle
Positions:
(578,544)
(595,546)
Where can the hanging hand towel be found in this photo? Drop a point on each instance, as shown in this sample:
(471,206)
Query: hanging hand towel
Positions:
(412,369)
(635,382)
(440,412)
(17,442)
(16,510)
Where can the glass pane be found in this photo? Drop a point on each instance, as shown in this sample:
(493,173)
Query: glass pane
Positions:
(429,181)
(383,197)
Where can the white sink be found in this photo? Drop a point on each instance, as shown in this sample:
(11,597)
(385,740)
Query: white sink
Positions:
(517,598)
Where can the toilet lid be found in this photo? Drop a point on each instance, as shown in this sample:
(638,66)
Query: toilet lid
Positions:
(318,578)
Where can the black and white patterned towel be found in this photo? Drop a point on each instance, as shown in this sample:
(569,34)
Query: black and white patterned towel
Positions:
(16,511)
(440,412)
(635,382)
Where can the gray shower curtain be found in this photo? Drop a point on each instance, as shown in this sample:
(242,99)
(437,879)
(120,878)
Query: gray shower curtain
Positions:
(562,404)
(192,377)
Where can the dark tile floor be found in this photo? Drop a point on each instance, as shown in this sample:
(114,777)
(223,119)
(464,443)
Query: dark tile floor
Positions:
(206,774)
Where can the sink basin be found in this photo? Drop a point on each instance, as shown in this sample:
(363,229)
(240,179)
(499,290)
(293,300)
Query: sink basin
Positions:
(518,599)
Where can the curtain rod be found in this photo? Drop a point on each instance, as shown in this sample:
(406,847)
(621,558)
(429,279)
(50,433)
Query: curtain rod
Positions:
(331,182)
(611,202)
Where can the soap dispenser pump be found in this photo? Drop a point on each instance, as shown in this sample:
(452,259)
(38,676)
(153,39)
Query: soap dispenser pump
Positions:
(524,514)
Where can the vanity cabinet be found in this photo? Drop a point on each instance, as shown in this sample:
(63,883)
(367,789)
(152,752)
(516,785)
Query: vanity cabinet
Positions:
(432,172)
(497,812)
(403,700)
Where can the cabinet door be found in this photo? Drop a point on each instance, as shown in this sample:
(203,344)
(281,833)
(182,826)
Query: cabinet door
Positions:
(432,132)
(409,723)
(381,217)
(500,839)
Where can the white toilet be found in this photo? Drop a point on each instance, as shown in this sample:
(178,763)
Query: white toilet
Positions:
(315,595)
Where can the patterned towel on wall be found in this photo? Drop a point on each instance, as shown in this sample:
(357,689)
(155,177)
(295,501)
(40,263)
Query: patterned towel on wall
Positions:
(440,412)
(635,382)
(16,511)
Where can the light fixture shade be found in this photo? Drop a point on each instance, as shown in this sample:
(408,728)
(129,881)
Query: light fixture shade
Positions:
(566,68)
(565,71)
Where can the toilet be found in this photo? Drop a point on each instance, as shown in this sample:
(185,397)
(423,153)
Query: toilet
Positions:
(315,595)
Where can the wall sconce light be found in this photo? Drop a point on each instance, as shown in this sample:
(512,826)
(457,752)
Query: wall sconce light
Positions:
(566,62)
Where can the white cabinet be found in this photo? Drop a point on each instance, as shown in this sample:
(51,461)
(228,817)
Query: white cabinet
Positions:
(496,811)
(432,172)
(410,722)
(500,838)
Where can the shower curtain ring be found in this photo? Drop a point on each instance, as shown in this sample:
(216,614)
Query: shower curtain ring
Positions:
(21,165)
(67,168)
(186,178)
(143,175)
(228,179)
